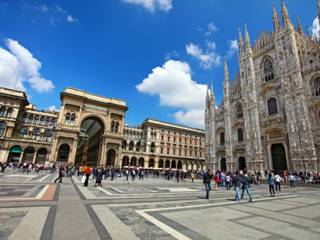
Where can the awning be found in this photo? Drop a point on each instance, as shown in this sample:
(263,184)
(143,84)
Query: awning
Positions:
(16,149)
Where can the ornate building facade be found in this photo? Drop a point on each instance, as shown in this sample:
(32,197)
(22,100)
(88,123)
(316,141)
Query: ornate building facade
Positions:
(90,129)
(270,114)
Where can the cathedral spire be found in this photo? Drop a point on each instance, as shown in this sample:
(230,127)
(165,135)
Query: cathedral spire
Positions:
(285,15)
(275,18)
(300,29)
(226,71)
(247,37)
(240,41)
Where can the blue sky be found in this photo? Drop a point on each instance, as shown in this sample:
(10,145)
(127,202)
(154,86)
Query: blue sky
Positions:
(156,55)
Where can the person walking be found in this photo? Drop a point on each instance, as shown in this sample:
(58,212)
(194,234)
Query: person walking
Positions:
(60,175)
(98,177)
(87,172)
(278,180)
(236,185)
(192,177)
(207,178)
(228,181)
(271,182)
(245,181)
(292,180)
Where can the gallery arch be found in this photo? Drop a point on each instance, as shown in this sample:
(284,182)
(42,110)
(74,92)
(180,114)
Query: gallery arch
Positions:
(89,143)
(14,153)
(28,154)
(41,155)
(63,153)
(111,158)
(133,161)
(141,162)
(151,163)
(125,161)
(223,164)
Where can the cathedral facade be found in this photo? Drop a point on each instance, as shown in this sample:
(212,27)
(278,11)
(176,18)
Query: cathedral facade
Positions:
(269,117)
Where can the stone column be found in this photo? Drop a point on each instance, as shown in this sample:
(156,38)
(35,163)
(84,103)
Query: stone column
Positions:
(72,156)
(21,157)
(34,157)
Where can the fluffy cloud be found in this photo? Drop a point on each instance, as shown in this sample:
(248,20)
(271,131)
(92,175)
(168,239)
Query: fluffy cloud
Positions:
(173,83)
(17,65)
(212,28)
(152,5)
(315,29)
(56,13)
(233,47)
(53,108)
(208,58)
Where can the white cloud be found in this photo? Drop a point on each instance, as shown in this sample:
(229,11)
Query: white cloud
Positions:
(173,83)
(208,58)
(17,65)
(56,13)
(212,28)
(233,47)
(71,19)
(152,5)
(315,29)
(53,108)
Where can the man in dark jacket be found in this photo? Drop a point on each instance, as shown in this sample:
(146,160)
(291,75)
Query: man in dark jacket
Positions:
(237,184)
(207,178)
(60,175)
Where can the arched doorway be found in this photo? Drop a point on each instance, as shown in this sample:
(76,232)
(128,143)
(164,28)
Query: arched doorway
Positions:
(173,164)
(223,164)
(151,163)
(141,162)
(63,153)
(133,161)
(28,154)
(160,163)
(14,153)
(41,155)
(279,160)
(167,164)
(242,163)
(125,161)
(179,165)
(89,144)
(111,158)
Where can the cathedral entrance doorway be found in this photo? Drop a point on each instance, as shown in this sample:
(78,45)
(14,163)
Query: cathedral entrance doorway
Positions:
(223,164)
(242,163)
(89,147)
(279,160)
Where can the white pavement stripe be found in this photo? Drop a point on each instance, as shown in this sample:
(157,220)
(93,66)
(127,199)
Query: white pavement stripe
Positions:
(150,190)
(42,192)
(216,204)
(116,189)
(104,191)
(30,227)
(115,227)
(44,178)
(163,226)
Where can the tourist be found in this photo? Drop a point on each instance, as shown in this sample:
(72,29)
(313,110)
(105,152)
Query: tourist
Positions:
(87,171)
(228,181)
(207,178)
(278,180)
(177,175)
(271,181)
(98,177)
(236,185)
(292,180)
(60,175)
(3,166)
(245,181)
(141,173)
(192,177)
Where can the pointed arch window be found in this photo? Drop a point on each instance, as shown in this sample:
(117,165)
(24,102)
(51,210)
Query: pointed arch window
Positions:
(240,134)
(315,86)
(222,138)
(2,111)
(272,106)
(9,113)
(239,113)
(268,70)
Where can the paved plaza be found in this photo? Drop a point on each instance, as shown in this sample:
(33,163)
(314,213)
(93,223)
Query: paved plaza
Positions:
(33,207)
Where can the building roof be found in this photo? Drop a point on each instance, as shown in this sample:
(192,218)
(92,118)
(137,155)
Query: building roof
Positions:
(94,97)
(173,125)
(14,93)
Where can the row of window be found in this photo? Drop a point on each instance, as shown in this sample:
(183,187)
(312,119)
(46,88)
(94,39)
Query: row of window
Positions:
(191,141)
(174,152)
(39,119)
(239,134)
(6,112)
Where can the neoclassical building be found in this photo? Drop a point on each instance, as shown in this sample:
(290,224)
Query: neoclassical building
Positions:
(270,114)
(90,129)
